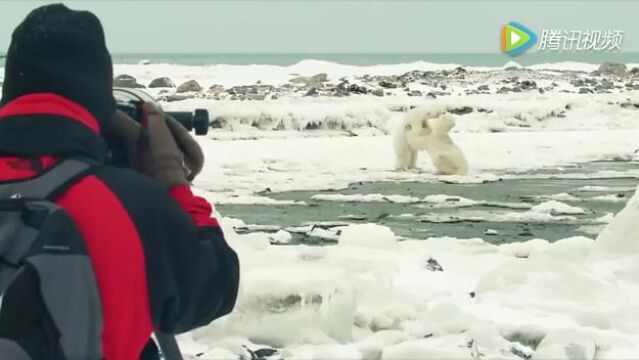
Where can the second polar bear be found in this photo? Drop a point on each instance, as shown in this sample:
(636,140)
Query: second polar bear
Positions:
(427,128)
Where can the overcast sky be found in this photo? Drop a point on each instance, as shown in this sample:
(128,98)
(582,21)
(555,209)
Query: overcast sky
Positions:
(307,26)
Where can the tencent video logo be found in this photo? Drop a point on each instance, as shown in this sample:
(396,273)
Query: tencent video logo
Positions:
(516,38)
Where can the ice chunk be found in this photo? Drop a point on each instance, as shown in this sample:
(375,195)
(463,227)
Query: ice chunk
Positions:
(423,349)
(281,237)
(372,346)
(368,235)
(565,344)
(557,208)
(322,352)
(284,305)
(525,248)
(622,235)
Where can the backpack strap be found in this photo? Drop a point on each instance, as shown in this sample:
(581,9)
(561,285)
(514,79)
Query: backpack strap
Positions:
(50,183)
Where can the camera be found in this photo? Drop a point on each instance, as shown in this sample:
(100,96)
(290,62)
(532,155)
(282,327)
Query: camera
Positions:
(129,101)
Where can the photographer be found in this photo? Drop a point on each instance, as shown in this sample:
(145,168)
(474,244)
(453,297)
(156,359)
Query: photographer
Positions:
(159,257)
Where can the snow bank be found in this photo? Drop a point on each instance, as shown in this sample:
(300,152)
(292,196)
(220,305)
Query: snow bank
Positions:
(557,208)
(490,113)
(371,297)
(556,101)
(245,167)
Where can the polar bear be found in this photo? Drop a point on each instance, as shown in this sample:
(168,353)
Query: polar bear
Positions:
(427,128)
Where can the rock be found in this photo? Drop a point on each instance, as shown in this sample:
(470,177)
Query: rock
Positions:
(527,85)
(298,80)
(459,70)
(431,95)
(189,86)
(352,88)
(584,90)
(609,68)
(127,81)
(461,110)
(315,80)
(258,97)
(178,97)
(629,105)
(378,92)
(319,78)
(216,89)
(387,85)
(634,71)
(433,265)
(483,88)
(577,82)
(250,90)
(504,90)
(163,82)
(311,92)
(414,93)
(607,84)
(263,353)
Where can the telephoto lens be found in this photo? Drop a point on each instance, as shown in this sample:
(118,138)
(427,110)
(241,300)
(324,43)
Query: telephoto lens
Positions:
(129,101)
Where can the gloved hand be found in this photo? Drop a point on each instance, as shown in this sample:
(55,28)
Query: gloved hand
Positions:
(162,148)
(193,155)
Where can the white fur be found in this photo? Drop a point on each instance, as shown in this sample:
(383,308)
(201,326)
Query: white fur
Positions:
(427,128)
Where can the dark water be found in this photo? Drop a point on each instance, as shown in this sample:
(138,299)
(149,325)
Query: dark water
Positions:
(426,220)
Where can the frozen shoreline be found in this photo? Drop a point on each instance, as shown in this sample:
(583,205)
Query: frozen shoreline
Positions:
(371,297)
(321,95)
(247,167)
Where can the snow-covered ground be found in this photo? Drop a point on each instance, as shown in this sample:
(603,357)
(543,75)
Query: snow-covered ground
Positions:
(237,168)
(372,297)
